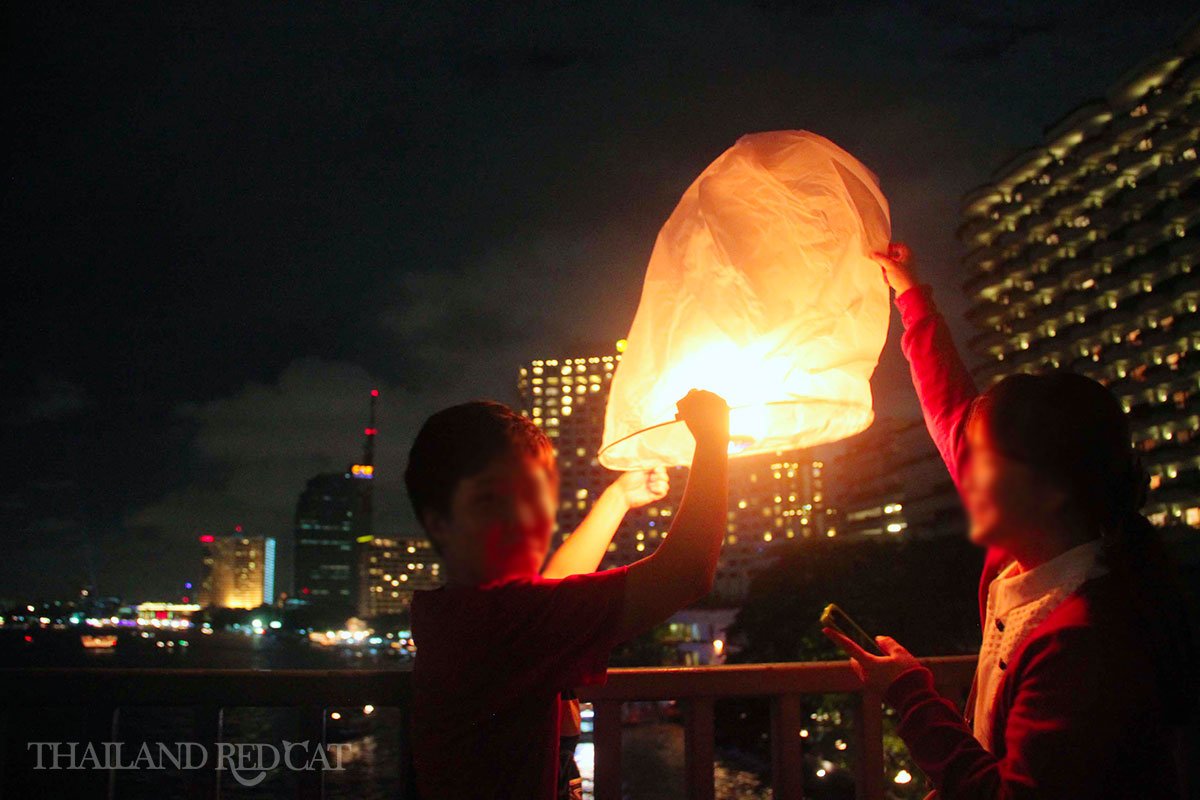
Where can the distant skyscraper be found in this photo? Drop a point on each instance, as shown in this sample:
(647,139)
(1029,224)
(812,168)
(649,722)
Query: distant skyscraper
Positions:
(392,569)
(238,571)
(1084,253)
(333,518)
(773,497)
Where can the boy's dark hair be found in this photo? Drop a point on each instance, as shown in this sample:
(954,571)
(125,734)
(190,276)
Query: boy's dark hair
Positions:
(461,441)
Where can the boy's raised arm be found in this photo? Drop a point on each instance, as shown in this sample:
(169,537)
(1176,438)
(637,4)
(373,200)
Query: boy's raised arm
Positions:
(584,549)
(681,570)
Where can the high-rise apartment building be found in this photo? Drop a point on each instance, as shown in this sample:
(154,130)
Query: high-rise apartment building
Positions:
(238,571)
(567,397)
(1084,253)
(391,570)
(889,481)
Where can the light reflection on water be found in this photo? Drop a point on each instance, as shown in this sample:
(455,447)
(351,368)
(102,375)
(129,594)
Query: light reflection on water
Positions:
(585,759)
(369,759)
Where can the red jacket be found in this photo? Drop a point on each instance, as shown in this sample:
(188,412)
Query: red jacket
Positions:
(1077,714)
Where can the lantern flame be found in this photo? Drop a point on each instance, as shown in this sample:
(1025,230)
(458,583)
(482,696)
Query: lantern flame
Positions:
(760,288)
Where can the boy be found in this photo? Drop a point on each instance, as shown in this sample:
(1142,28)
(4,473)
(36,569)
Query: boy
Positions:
(499,642)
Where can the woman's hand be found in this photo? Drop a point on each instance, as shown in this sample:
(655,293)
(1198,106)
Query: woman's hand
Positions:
(898,267)
(876,672)
(642,486)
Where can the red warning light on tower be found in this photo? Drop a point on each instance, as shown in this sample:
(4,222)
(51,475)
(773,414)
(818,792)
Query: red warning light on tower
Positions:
(374,393)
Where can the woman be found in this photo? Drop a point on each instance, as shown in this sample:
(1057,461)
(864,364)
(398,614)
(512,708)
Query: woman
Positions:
(1086,664)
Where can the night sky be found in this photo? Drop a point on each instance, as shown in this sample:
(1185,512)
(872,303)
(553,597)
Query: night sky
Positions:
(224,226)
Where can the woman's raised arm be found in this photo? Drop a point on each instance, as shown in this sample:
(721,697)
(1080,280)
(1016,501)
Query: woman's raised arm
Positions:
(944,387)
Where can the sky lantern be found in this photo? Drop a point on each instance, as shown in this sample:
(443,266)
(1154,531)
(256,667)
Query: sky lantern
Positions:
(760,288)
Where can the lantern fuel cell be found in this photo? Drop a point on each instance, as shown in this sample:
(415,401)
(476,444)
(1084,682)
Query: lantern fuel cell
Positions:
(761,288)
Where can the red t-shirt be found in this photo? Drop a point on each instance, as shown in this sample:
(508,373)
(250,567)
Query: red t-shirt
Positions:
(491,662)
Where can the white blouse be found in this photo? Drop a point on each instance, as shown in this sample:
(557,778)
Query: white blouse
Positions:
(1017,603)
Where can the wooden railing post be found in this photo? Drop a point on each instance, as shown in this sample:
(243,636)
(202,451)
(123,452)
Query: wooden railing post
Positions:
(787,752)
(207,780)
(310,727)
(698,748)
(606,734)
(408,775)
(101,726)
(6,715)
(869,738)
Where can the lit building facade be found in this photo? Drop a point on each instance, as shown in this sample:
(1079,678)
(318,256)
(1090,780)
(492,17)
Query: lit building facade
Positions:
(699,635)
(1084,253)
(165,615)
(889,481)
(566,398)
(392,569)
(238,571)
(773,497)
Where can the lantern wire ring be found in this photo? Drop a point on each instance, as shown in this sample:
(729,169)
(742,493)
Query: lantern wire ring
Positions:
(736,443)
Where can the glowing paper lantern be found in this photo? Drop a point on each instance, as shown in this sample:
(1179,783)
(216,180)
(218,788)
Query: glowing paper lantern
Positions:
(760,288)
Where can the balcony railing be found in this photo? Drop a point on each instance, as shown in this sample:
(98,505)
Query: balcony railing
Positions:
(101,693)
(697,688)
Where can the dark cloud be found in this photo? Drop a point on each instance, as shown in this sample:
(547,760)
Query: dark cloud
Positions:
(229,223)
(52,399)
(519,61)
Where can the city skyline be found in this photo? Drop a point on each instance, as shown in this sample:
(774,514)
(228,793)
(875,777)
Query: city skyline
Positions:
(200,308)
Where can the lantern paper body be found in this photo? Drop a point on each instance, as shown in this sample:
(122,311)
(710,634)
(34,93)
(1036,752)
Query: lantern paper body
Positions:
(760,288)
